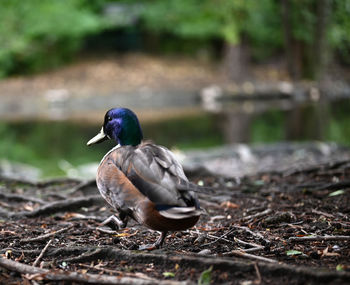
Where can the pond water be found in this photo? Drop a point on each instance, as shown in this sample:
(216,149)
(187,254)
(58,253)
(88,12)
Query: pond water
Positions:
(49,145)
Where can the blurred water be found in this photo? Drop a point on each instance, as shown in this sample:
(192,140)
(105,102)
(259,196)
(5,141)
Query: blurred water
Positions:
(59,147)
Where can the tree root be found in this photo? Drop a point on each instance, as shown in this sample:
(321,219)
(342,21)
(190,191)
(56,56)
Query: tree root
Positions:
(60,206)
(270,269)
(60,275)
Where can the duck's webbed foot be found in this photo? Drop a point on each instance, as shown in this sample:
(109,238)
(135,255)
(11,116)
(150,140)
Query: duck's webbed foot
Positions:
(157,244)
(116,223)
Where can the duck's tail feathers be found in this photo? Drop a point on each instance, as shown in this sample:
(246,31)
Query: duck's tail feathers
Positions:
(179,213)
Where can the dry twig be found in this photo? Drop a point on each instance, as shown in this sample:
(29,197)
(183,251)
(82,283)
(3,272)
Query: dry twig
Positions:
(243,254)
(244,243)
(81,186)
(257,215)
(258,275)
(46,236)
(319,238)
(42,253)
(258,236)
(219,238)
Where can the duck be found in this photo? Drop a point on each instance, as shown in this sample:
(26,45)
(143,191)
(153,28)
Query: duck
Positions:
(144,181)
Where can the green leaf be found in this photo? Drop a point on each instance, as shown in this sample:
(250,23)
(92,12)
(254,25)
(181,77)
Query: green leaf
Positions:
(293,252)
(336,193)
(205,277)
(340,267)
(168,274)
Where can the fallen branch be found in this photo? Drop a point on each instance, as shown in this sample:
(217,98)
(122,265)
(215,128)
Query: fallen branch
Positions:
(248,250)
(46,236)
(257,236)
(219,238)
(258,275)
(253,249)
(257,215)
(81,186)
(310,169)
(60,275)
(17,180)
(21,198)
(319,238)
(58,180)
(61,206)
(243,254)
(322,213)
(244,243)
(325,186)
(42,253)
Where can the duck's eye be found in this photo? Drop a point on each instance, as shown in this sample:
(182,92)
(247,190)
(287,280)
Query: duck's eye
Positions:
(109,118)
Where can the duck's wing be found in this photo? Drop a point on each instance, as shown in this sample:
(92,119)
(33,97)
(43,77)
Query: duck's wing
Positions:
(156,173)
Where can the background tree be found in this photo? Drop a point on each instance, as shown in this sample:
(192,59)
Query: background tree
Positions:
(234,22)
(37,34)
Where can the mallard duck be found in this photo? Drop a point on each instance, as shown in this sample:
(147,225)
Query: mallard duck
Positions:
(144,181)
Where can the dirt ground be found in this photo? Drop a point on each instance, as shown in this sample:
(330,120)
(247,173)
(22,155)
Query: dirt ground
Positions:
(271,228)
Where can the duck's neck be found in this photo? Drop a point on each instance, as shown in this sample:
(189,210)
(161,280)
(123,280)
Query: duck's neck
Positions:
(128,140)
(131,133)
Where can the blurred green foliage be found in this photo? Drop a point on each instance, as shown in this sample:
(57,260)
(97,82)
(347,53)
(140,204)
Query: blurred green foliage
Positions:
(227,20)
(339,34)
(36,34)
(194,18)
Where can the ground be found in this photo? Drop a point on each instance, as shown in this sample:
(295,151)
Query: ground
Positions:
(273,227)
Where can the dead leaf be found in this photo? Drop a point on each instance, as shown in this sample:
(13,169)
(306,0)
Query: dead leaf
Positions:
(325,252)
(229,204)
(126,234)
(122,235)
(7,232)
(28,207)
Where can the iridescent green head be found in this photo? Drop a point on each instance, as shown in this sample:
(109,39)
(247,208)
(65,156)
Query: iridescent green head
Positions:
(121,125)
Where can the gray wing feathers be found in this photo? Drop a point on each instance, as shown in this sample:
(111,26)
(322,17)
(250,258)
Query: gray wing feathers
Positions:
(155,171)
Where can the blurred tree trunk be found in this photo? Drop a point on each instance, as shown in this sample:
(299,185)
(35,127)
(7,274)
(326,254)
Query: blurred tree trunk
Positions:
(236,126)
(323,10)
(309,120)
(305,58)
(292,47)
(234,61)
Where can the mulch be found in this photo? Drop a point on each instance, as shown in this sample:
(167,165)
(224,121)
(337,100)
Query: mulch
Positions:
(276,227)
